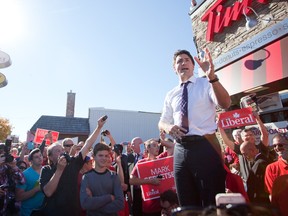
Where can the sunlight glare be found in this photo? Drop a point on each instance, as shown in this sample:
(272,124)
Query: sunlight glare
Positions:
(12,21)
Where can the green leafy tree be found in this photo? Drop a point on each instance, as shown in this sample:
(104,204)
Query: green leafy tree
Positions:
(5,128)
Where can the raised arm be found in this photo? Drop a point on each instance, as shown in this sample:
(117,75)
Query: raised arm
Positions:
(110,137)
(226,140)
(92,138)
(220,92)
(263,130)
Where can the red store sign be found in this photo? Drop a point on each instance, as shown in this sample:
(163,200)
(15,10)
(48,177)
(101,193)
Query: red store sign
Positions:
(219,17)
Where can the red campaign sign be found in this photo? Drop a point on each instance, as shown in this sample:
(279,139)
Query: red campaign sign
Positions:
(151,169)
(236,118)
(40,134)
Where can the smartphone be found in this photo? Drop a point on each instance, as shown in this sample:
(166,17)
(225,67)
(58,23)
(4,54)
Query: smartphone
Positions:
(104,118)
(229,198)
(223,200)
(30,145)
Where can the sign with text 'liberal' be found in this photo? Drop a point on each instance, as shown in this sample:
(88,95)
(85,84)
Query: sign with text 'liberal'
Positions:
(151,169)
(236,118)
(40,134)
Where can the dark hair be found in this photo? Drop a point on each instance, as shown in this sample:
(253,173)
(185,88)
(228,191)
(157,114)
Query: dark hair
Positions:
(118,148)
(100,147)
(20,162)
(180,52)
(170,196)
(34,151)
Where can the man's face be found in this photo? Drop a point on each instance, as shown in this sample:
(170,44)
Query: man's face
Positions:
(37,159)
(135,145)
(102,158)
(183,67)
(56,152)
(68,145)
(247,153)
(248,136)
(281,147)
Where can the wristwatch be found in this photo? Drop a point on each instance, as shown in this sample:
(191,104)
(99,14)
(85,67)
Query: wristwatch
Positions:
(214,80)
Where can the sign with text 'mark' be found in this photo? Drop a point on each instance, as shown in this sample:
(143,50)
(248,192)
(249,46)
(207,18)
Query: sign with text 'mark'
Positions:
(236,118)
(151,169)
(40,134)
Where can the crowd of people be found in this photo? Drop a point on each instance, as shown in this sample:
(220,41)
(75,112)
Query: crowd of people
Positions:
(89,178)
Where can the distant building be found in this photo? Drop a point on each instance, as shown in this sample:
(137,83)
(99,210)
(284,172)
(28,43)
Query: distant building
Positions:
(66,126)
(124,125)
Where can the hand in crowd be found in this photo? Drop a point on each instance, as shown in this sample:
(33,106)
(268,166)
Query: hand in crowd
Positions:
(101,122)
(162,134)
(112,197)
(107,133)
(62,163)
(124,187)
(88,192)
(118,160)
(176,131)
(155,181)
(25,146)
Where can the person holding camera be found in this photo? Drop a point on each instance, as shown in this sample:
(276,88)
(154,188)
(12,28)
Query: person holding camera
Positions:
(10,175)
(59,180)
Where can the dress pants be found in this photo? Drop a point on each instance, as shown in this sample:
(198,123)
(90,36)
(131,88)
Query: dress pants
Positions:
(198,170)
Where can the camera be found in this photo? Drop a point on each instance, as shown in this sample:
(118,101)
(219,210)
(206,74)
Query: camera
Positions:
(8,157)
(159,176)
(104,118)
(104,132)
(118,148)
(67,157)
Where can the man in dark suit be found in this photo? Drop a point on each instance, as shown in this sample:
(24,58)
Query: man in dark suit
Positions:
(255,181)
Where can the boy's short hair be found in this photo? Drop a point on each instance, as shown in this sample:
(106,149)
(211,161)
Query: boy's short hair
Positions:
(34,151)
(100,147)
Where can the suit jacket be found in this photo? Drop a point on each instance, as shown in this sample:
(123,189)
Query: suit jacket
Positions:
(255,182)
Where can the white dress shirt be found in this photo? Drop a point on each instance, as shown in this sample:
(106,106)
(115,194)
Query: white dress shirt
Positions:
(201,107)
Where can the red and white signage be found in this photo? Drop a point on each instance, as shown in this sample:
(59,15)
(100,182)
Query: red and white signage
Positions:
(40,134)
(273,128)
(220,17)
(236,118)
(151,169)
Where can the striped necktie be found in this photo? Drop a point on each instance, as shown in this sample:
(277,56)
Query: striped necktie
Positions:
(184,106)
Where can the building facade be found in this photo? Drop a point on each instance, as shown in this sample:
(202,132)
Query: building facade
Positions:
(248,41)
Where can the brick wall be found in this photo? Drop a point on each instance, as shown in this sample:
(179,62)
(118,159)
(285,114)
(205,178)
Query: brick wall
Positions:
(236,33)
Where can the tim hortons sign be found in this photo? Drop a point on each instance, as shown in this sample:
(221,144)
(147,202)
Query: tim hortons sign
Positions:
(236,118)
(219,17)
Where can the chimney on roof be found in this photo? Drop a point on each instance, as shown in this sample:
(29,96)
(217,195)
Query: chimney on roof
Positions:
(70,104)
